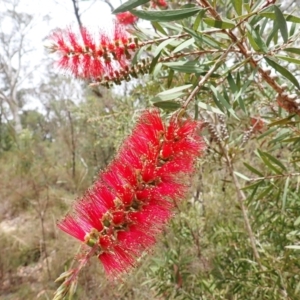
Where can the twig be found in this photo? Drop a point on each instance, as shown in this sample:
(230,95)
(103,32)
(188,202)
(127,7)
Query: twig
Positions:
(204,79)
(273,177)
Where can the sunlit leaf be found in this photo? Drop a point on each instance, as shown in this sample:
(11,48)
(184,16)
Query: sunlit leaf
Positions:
(209,108)
(293,247)
(175,90)
(167,97)
(242,176)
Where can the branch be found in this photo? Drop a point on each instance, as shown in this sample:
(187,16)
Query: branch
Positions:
(282,96)
(76,10)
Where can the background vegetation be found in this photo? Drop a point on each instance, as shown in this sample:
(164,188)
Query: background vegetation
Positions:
(237,234)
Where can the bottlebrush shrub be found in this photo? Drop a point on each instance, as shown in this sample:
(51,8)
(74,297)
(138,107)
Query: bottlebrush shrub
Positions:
(134,197)
(89,57)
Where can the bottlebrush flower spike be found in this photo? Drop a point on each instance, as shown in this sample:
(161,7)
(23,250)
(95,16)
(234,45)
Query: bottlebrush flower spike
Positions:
(93,58)
(126,18)
(133,199)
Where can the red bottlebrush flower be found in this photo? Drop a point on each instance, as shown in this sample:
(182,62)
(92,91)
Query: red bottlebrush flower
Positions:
(126,18)
(257,124)
(134,198)
(89,57)
(160,3)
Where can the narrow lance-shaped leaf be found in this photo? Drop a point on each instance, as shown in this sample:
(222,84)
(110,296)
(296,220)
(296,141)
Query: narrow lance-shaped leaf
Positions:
(288,17)
(209,108)
(292,50)
(289,59)
(267,162)
(283,71)
(253,170)
(238,6)
(219,24)
(166,15)
(223,101)
(167,105)
(255,39)
(128,5)
(285,192)
(280,20)
(184,45)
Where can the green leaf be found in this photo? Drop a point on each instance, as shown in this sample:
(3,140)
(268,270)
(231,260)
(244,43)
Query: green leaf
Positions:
(242,176)
(128,5)
(253,170)
(154,62)
(238,6)
(283,71)
(292,50)
(170,77)
(274,160)
(289,59)
(265,192)
(210,108)
(167,97)
(184,45)
(157,70)
(284,121)
(198,20)
(285,191)
(273,34)
(167,105)
(162,46)
(175,90)
(232,84)
(255,39)
(159,28)
(138,54)
(297,222)
(187,66)
(267,162)
(219,24)
(252,186)
(223,101)
(166,15)
(269,131)
(288,17)
(280,20)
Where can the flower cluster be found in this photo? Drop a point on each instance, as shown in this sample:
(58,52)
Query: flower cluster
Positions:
(93,58)
(133,198)
(159,3)
(126,18)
